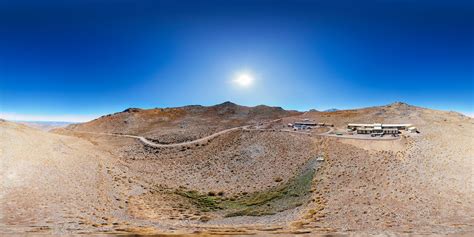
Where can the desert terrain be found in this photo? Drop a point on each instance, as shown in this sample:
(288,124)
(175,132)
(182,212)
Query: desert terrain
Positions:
(45,126)
(231,169)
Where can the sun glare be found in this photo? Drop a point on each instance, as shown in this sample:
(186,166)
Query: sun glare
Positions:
(244,80)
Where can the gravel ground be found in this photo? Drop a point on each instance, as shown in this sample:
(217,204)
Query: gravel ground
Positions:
(85,183)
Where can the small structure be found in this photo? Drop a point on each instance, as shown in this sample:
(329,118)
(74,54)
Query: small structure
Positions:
(391,131)
(325,125)
(304,125)
(308,124)
(377,129)
(413,129)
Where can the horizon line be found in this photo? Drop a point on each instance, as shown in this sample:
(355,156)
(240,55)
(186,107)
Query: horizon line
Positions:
(76,118)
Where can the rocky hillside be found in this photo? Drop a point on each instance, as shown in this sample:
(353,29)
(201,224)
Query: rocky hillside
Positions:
(397,112)
(167,125)
(422,182)
(241,182)
(51,183)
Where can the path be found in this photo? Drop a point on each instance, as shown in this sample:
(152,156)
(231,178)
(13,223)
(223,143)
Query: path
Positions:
(361,137)
(203,139)
(157,145)
(246,127)
(356,137)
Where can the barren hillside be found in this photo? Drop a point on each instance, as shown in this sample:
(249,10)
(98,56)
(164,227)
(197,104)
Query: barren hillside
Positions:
(423,182)
(53,184)
(256,180)
(170,125)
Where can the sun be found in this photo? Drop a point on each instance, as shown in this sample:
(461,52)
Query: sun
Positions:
(244,80)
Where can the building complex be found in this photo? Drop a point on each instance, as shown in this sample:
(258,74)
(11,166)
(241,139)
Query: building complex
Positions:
(379,128)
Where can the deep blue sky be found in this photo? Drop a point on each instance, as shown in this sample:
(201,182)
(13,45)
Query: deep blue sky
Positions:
(88,58)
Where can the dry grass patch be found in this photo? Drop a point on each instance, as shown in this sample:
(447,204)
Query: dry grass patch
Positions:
(289,195)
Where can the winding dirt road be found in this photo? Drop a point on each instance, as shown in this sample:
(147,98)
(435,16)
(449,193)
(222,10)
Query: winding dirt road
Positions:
(246,127)
(157,145)
(199,140)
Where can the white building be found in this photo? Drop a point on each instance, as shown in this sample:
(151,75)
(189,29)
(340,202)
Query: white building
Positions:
(378,128)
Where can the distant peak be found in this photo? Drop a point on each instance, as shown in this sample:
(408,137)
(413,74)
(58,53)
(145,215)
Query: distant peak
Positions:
(399,104)
(268,107)
(227,103)
(132,110)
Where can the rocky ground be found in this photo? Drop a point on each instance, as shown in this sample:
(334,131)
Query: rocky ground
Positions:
(181,124)
(422,183)
(54,183)
(244,181)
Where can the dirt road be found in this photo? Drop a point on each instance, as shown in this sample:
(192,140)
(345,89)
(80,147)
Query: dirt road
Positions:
(153,144)
(199,140)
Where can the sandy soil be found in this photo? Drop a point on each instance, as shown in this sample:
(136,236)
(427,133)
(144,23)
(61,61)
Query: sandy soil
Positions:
(182,124)
(419,184)
(55,184)
(241,161)
(244,181)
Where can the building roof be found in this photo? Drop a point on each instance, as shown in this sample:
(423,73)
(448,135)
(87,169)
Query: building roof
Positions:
(306,123)
(359,125)
(397,125)
(382,125)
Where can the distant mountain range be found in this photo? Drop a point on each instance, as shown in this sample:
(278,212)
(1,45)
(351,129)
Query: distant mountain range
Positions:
(185,123)
(45,125)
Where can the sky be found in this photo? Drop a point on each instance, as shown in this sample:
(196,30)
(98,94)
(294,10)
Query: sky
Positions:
(77,60)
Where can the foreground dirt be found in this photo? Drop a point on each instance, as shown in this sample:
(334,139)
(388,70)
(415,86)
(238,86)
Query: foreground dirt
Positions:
(244,181)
